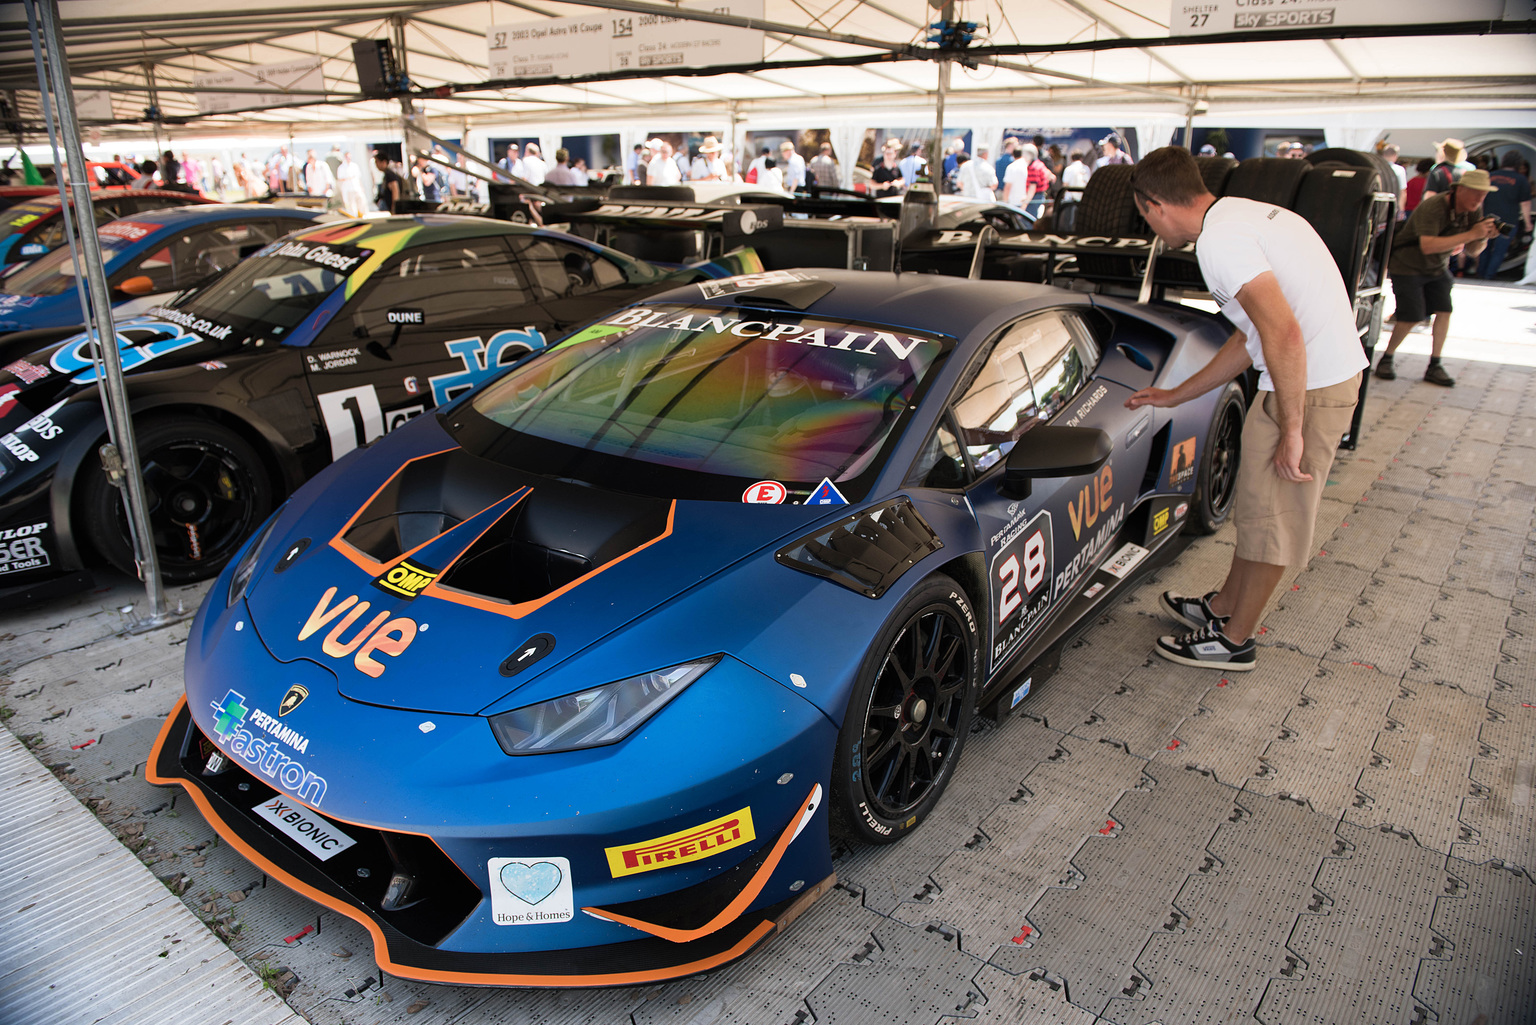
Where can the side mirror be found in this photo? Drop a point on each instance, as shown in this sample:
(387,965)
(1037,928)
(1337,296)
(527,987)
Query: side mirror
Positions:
(1053,452)
(139,285)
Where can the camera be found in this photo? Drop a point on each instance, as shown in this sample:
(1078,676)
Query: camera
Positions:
(1504,227)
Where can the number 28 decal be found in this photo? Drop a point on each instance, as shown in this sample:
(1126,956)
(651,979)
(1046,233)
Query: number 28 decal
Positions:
(1021,595)
(354,417)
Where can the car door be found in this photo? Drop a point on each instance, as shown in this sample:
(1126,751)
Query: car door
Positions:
(426,327)
(1036,369)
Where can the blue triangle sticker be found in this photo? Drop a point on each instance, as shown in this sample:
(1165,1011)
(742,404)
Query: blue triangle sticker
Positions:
(826,493)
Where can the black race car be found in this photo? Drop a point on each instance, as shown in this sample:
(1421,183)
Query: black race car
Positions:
(321,342)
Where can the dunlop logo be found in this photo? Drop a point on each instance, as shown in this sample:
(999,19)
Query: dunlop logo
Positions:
(406,579)
(687,845)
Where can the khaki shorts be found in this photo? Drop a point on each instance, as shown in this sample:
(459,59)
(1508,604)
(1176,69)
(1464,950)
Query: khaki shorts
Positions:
(1275,517)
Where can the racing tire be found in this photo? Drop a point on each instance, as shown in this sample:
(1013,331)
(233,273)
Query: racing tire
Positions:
(908,716)
(1267,180)
(207,490)
(1216,483)
(1214,172)
(1107,207)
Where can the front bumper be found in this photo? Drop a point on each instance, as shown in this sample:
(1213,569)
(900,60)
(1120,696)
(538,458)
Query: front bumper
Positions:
(677,934)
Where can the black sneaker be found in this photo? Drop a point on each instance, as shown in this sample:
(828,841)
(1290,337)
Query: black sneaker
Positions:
(1208,648)
(1435,374)
(1194,611)
(1384,369)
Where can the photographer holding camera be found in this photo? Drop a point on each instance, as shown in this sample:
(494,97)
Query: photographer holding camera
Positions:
(1442,226)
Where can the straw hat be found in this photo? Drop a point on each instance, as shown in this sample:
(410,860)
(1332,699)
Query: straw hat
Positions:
(1455,149)
(710,145)
(1476,180)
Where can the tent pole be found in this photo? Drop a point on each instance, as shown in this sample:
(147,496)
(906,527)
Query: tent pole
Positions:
(120,456)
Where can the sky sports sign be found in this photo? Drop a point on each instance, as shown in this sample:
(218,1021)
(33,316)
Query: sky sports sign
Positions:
(1205,17)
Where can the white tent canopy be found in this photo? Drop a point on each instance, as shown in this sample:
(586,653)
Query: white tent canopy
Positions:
(1145,78)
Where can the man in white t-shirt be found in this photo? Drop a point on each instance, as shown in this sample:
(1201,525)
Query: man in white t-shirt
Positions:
(534,167)
(662,170)
(1275,280)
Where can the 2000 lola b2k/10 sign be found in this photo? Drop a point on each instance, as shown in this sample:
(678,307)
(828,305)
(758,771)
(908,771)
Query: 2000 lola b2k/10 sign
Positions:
(567,683)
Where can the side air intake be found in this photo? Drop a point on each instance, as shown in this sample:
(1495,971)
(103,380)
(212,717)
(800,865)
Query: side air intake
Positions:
(866,552)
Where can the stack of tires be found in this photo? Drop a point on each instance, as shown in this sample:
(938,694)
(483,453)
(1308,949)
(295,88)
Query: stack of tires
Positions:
(1346,195)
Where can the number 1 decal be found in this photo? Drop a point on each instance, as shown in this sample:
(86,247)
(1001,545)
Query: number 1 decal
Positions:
(352,417)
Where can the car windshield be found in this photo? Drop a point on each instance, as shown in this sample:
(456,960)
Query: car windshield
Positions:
(712,396)
(271,292)
(23,215)
(55,273)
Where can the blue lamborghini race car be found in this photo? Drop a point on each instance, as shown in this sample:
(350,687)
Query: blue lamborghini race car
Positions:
(568,683)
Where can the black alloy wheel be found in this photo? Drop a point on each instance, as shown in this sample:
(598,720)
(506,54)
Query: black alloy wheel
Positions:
(207,491)
(908,716)
(1216,487)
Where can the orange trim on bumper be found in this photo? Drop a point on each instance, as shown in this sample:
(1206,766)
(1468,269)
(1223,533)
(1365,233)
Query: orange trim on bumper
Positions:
(381,945)
(736,907)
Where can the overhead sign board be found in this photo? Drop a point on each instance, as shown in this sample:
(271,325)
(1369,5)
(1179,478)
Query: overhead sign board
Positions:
(290,84)
(623,41)
(1206,17)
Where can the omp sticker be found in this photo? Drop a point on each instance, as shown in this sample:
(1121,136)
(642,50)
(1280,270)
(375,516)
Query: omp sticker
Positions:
(1160,521)
(405,580)
(1124,560)
(531,891)
(1181,462)
(313,833)
(685,845)
(826,493)
(765,492)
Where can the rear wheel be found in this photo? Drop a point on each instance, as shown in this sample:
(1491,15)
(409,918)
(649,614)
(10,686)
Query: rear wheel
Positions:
(908,716)
(1216,486)
(207,490)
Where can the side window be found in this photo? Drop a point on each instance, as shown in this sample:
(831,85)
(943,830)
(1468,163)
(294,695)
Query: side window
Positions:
(454,284)
(942,464)
(1060,360)
(559,270)
(197,255)
(998,405)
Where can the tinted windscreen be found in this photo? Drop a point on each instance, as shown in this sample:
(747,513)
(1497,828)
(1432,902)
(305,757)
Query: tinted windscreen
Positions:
(273,291)
(715,396)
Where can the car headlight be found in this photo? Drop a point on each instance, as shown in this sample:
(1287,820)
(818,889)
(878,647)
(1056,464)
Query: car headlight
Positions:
(247,564)
(593,718)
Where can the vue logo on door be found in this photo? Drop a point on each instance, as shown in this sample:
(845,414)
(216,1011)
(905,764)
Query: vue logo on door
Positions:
(380,635)
(1094,498)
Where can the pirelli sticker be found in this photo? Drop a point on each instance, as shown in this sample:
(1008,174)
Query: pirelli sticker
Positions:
(687,845)
(406,580)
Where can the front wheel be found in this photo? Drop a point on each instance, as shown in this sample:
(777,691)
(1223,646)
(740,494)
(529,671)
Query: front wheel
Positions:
(206,489)
(1216,487)
(908,716)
